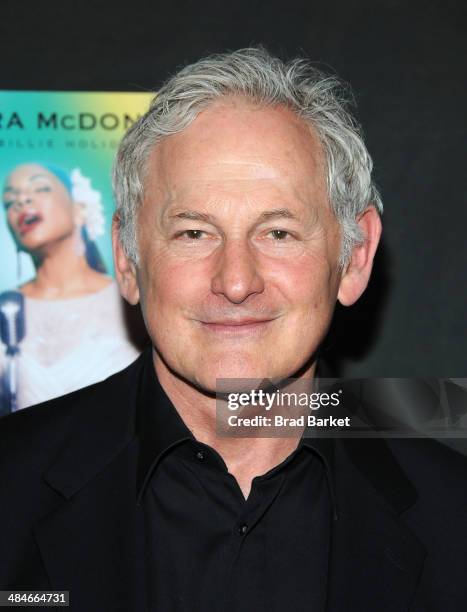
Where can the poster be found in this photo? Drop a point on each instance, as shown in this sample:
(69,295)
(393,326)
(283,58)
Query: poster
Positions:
(57,297)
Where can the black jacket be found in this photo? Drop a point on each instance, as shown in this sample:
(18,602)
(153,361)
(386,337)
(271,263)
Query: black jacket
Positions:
(69,519)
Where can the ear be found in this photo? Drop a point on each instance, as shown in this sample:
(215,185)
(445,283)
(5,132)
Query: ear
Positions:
(79,210)
(356,275)
(125,269)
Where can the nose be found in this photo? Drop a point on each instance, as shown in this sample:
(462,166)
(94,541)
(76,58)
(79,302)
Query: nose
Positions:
(236,276)
(22,199)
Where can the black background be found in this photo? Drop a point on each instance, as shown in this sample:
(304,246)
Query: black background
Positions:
(406,62)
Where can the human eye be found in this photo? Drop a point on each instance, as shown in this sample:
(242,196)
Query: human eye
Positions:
(42,189)
(280,235)
(191,234)
(7,204)
(278,242)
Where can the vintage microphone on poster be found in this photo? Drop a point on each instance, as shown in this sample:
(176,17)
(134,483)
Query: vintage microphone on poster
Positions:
(12,330)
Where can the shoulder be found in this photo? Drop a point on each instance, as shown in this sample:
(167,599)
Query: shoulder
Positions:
(37,434)
(96,281)
(439,476)
(421,477)
(438,518)
(431,463)
(27,288)
(420,459)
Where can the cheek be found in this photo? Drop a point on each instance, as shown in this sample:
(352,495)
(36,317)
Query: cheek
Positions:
(173,290)
(64,217)
(11,218)
(306,283)
(57,212)
(170,286)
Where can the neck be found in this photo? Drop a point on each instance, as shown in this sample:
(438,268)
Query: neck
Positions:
(61,270)
(245,458)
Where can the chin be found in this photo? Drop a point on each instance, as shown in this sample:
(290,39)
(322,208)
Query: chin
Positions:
(32,244)
(238,371)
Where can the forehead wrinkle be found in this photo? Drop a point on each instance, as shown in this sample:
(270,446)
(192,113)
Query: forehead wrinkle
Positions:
(183,155)
(242,170)
(235,171)
(265,215)
(217,189)
(182,177)
(184,205)
(188,201)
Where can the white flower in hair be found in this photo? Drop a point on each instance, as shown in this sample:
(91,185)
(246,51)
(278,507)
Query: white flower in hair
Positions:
(82,192)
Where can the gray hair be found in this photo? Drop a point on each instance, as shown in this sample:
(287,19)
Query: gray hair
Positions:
(318,99)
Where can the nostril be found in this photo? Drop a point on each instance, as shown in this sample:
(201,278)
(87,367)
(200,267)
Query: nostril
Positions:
(22,201)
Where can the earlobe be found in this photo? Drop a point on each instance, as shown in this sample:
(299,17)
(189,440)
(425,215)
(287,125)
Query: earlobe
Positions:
(79,213)
(125,269)
(356,275)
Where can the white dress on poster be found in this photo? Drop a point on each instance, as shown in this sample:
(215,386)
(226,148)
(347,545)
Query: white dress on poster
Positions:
(70,344)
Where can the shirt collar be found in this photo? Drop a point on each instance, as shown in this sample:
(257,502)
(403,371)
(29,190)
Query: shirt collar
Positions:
(160,427)
(158,424)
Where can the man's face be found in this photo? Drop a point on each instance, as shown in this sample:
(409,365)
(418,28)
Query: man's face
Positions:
(238,272)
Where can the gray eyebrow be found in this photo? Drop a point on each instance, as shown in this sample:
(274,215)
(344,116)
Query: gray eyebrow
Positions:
(277,212)
(193,215)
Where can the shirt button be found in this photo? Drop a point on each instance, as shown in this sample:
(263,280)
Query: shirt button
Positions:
(200,455)
(242,529)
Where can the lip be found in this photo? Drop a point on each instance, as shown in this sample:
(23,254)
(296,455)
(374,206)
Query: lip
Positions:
(22,224)
(236,326)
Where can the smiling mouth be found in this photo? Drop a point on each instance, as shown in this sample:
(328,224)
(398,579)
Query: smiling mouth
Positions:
(27,222)
(236,327)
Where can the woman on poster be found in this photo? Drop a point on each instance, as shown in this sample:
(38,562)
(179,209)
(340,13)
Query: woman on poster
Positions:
(70,313)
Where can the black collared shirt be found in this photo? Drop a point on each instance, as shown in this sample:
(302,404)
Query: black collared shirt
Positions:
(209,549)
